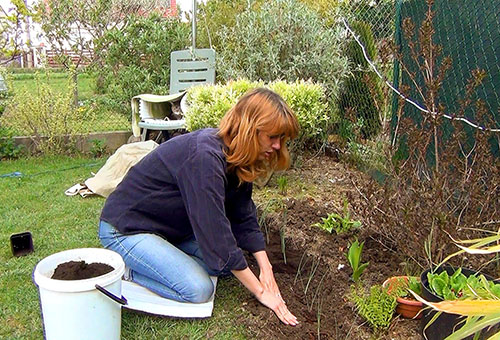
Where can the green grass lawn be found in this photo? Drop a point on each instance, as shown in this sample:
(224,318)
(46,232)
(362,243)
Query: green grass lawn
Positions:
(36,203)
(57,81)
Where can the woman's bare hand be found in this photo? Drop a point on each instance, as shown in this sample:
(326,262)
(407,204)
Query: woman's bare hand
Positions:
(276,303)
(266,278)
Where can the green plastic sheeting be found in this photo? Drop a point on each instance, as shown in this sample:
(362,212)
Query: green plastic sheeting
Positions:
(469,33)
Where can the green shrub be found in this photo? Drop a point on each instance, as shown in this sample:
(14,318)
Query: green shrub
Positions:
(209,103)
(8,149)
(98,147)
(376,307)
(368,155)
(46,115)
(282,39)
(214,15)
(361,92)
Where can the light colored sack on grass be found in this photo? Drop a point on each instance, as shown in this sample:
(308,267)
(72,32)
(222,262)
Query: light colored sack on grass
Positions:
(111,174)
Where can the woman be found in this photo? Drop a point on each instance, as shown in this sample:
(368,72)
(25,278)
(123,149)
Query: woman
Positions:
(185,211)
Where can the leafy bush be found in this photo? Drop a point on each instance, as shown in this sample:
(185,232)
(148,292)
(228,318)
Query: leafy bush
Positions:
(46,115)
(209,103)
(98,147)
(376,308)
(283,39)
(137,58)
(8,149)
(213,15)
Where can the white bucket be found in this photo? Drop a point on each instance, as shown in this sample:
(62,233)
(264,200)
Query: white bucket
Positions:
(75,309)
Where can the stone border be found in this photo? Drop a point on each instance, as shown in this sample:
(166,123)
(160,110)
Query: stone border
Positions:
(112,140)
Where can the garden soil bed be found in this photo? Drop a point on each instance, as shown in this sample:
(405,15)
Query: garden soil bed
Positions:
(315,279)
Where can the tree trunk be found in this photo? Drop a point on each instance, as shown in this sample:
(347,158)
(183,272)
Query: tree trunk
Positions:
(74,78)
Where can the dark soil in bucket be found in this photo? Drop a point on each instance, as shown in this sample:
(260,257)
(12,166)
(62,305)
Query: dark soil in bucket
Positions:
(80,270)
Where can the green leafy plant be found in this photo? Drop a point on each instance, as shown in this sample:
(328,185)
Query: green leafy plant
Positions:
(402,286)
(376,308)
(477,298)
(414,285)
(361,91)
(282,39)
(282,184)
(459,286)
(98,147)
(339,222)
(8,148)
(48,116)
(135,58)
(354,258)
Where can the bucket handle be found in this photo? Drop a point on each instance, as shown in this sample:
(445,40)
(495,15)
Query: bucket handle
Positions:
(120,300)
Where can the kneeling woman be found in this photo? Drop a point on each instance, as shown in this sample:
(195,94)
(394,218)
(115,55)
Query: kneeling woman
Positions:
(185,211)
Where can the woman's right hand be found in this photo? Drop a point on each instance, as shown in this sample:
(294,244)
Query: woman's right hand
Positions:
(276,303)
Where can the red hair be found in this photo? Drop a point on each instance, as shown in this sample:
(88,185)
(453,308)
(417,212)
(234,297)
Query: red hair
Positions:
(259,110)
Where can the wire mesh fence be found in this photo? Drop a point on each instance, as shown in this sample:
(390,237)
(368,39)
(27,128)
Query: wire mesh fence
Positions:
(365,103)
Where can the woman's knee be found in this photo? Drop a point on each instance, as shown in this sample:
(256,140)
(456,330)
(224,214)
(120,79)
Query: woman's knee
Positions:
(200,290)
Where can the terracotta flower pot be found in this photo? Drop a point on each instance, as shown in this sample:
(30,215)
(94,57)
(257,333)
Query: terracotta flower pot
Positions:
(407,308)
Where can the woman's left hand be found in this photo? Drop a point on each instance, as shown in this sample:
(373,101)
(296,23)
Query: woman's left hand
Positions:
(266,275)
(266,278)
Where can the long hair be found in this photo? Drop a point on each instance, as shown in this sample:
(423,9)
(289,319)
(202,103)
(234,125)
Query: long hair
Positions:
(259,110)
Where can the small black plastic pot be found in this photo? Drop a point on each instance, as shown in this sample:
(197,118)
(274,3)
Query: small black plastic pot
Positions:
(446,323)
(21,244)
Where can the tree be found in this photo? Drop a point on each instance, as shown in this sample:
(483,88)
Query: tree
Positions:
(12,20)
(75,25)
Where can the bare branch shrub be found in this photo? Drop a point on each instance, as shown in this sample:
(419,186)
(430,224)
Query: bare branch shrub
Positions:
(439,182)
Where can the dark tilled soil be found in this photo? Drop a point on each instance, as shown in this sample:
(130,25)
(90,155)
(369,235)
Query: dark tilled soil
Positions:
(315,277)
(80,270)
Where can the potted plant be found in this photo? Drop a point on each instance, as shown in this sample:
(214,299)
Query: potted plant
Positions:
(455,293)
(448,283)
(407,306)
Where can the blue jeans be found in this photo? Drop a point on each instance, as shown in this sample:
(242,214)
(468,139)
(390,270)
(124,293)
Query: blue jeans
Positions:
(176,272)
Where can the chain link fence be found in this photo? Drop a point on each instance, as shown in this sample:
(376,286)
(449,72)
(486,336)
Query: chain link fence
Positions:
(365,102)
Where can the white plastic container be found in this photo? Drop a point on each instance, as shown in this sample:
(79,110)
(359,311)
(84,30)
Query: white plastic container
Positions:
(75,309)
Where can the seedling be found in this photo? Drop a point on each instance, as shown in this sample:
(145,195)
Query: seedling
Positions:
(354,257)
(283,185)
(339,223)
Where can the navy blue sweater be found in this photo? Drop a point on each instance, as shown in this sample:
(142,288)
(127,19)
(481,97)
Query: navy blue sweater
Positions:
(182,189)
